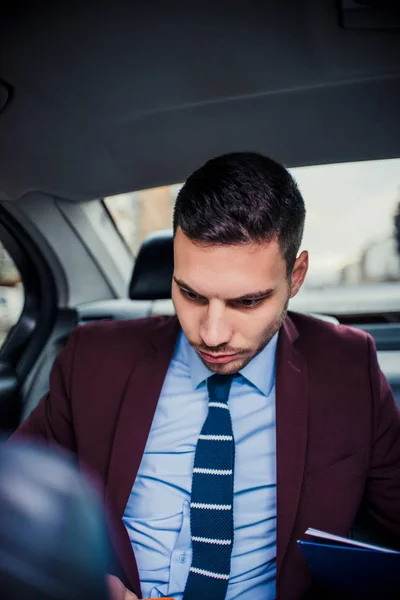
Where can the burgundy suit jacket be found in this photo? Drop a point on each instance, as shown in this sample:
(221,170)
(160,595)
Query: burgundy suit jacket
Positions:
(338,428)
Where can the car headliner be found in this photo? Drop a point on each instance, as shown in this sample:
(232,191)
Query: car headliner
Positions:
(106,97)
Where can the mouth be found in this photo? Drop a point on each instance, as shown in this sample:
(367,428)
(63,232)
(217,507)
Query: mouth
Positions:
(218,358)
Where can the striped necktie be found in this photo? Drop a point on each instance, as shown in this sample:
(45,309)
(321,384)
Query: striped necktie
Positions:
(211,507)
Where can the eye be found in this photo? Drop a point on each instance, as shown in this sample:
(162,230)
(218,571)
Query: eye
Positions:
(248,303)
(191,295)
(188,294)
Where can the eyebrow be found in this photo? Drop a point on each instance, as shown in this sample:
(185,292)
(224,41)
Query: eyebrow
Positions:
(250,296)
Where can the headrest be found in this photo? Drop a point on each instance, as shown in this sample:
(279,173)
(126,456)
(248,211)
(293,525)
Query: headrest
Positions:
(154,266)
(53,536)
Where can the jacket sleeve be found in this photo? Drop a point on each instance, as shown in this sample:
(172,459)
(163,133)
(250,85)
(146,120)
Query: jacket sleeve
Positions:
(383,484)
(51,421)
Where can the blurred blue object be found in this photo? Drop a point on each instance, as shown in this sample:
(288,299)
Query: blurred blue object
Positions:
(53,534)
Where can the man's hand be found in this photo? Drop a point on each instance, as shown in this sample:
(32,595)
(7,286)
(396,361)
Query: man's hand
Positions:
(117,589)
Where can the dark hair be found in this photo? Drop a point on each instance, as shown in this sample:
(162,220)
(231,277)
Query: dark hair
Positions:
(240,198)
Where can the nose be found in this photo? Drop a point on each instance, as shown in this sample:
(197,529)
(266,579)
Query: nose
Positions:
(215,329)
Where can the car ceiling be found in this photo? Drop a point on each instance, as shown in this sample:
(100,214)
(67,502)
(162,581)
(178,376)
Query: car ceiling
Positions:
(106,97)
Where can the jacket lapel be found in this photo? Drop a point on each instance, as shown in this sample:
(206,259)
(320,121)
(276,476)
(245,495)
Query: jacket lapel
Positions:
(138,405)
(291,433)
(137,411)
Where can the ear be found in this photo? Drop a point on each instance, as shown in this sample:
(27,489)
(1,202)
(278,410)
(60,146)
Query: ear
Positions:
(299,273)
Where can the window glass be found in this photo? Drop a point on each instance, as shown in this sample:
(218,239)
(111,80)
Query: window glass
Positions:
(352,232)
(11,294)
(138,214)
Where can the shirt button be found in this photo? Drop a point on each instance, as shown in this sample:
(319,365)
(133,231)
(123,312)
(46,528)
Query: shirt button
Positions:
(182,558)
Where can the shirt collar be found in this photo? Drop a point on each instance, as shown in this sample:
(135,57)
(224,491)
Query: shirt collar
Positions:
(260,371)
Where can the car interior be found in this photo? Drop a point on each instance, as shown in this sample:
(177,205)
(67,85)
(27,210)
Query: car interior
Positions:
(100,101)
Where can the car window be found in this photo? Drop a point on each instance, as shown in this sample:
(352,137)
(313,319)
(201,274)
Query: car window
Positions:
(138,214)
(352,232)
(11,294)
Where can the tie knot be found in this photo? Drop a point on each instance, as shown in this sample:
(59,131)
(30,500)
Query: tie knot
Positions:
(219,387)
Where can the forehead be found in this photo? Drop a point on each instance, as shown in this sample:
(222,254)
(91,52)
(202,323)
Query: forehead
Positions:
(228,270)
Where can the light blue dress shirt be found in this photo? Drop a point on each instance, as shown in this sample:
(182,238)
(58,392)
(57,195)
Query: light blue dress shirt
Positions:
(157,515)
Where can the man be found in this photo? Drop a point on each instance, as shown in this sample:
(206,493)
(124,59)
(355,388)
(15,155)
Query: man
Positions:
(222,435)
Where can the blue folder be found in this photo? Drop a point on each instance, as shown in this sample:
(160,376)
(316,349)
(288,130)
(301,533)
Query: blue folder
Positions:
(347,571)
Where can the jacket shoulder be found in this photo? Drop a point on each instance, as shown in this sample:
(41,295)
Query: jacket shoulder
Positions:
(123,334)
(114,345)
(318,333)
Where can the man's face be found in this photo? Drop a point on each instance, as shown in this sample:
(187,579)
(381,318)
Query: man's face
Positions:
(231,300)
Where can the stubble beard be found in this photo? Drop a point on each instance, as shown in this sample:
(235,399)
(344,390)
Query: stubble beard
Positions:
(237,365)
